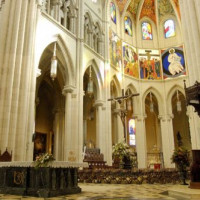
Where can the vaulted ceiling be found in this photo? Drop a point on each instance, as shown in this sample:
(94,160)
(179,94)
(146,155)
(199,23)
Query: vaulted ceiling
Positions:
(153,9)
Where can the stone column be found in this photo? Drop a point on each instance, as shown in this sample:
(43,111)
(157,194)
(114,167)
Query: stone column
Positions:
(67,91)
(167,139)
(98,104)
(65,17)
(141,141)
(57,134)
(99,45)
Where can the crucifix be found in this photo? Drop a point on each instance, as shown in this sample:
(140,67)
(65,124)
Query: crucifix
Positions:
(123,111)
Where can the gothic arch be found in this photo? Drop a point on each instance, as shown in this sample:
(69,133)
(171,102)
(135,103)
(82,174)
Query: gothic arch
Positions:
(117,84)
(170,95)
(97,77)
(158,97)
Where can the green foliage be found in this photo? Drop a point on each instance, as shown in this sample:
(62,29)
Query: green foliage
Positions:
(43,160)
(181,157)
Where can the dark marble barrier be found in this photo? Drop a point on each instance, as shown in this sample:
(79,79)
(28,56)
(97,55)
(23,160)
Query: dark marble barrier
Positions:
(42,182)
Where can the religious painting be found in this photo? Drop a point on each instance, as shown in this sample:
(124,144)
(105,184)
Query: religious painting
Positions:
(115,49)
(40,141)
(150,67)
(146,31)
(173,62)
(113,12)
(169,28)
(133,8)
(130,60)
(128,26)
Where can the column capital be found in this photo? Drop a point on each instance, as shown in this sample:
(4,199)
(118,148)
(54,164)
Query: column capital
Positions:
(68,89)
(139,117)
(99,103)
(167,117)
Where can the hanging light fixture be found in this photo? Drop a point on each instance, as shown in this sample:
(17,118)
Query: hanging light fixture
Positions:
(90,83)
(54,64)
(178,103)
(151,103)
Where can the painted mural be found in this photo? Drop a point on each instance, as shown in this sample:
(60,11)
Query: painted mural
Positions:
(148,10)
(115,49)
(150,67)
(133,8)
(121,4)
(173,62)
(130,60)
(165,7)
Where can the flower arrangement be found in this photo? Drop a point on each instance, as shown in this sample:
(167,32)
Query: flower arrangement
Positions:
(123,152)
(181,157)
(43,160)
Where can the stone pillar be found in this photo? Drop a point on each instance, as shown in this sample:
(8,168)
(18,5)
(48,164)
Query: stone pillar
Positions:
(65,17)
(167,139)
(190,19)
(98,104)
(90,38)
(141,141)
(72,23)
(67,91)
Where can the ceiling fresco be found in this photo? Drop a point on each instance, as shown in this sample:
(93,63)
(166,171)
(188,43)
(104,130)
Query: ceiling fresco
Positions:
(165,7)
(148,10)
(133,8)
(121,4)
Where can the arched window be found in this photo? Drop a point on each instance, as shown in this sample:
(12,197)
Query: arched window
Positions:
(146,31)
(113,12)
(169,28)
(132,131)
(128,26)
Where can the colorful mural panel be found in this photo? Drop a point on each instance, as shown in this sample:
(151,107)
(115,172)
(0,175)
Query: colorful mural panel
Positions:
(115,49)
(148,10)
(113,12)
(130,60)
(146,31)
(173,62)
(150,67)
(169,28)
(128,26)
(165,7)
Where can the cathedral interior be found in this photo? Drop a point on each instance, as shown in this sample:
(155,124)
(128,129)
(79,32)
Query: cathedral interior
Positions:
(80,77)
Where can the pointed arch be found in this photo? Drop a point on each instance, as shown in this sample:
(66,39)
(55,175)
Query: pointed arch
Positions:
(117,84)
(97,77)
(170,95)
(158,97)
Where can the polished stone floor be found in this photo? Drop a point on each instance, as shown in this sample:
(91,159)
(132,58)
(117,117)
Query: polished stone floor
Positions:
(111,191)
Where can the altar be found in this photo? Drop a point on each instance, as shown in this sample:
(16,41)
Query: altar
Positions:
(21,178)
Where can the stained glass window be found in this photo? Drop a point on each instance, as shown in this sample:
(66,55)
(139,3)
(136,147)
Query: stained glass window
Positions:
(132,131)
(113,12)
(169,28)
(146,31)
(128,25)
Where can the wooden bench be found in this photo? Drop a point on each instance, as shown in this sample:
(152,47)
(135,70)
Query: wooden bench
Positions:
(94,158)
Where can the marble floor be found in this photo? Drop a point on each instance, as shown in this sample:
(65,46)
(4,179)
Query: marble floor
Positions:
(111,191)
